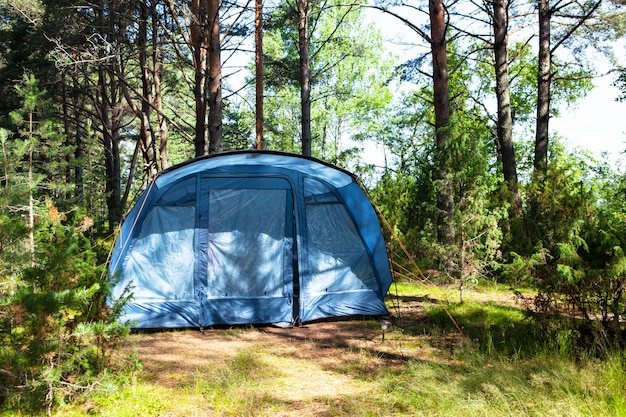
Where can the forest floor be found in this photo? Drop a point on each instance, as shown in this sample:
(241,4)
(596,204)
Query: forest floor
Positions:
(296,371)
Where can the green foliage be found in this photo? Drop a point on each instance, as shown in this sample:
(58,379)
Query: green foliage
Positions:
(55,325)
(237,129)
(35,151)
(21,51)
(577,226)
(477,244)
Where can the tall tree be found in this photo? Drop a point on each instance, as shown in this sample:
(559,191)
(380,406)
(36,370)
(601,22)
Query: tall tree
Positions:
(445,200)
(215,78)
(544,78)
(33,132)
(305,75)
(349,79)
(500,24)
(493,19)
(573,15)
(200,37)
(143,112)
(205,42)
(108,102)
(157,82)
(437,43)
(258,23)
(77,41)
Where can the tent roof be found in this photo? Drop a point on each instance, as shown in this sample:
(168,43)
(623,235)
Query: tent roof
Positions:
(269,161)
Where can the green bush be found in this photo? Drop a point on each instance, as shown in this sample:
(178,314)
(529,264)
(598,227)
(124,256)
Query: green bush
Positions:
(56,325)
(578,265)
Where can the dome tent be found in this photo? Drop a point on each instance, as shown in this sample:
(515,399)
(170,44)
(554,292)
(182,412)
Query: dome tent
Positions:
(250,237)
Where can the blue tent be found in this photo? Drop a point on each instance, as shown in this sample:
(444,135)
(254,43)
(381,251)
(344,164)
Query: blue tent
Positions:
(251,237)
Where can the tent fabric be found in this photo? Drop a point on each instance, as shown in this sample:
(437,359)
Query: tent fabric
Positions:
(250,237)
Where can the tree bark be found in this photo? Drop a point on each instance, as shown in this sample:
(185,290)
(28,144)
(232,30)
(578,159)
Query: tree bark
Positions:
(577,13)
(305,76)
(503,97)
(199,42)
(111,152)
(543,91)
(215,79)
(259,73)
(158,97)
(445,198)
(108,107)
(146,137)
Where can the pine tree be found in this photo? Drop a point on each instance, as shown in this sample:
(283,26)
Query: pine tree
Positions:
(53,314)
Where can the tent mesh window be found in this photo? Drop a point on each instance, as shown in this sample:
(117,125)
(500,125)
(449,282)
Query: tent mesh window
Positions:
(247,242)
(337,265)
(162,256)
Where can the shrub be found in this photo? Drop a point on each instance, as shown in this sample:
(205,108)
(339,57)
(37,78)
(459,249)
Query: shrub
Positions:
(578,266)
(56,325)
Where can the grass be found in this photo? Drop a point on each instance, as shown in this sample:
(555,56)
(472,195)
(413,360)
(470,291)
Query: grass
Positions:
(499,364)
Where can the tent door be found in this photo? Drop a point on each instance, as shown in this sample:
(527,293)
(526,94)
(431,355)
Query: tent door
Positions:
(247,273)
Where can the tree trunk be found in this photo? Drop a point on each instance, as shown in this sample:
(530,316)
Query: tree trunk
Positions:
(145,135)
(67,132)
(580,14)
(543,92)
(109,113)
(305,76)
(79,152)
(259,73)
(503,97)
(31,188)
(199,42)
(215,79)
(158,97)
(111,155)
(445,198)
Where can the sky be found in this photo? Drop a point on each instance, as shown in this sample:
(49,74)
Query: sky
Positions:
(597,123)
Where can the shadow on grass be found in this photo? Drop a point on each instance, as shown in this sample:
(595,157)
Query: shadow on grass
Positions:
(409,299)
(342,335)
(494,329)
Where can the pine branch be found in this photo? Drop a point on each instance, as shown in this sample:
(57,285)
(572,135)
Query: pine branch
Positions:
(9,373)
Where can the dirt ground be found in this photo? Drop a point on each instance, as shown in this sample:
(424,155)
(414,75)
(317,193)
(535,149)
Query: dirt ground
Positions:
(317,360)
(167,355)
